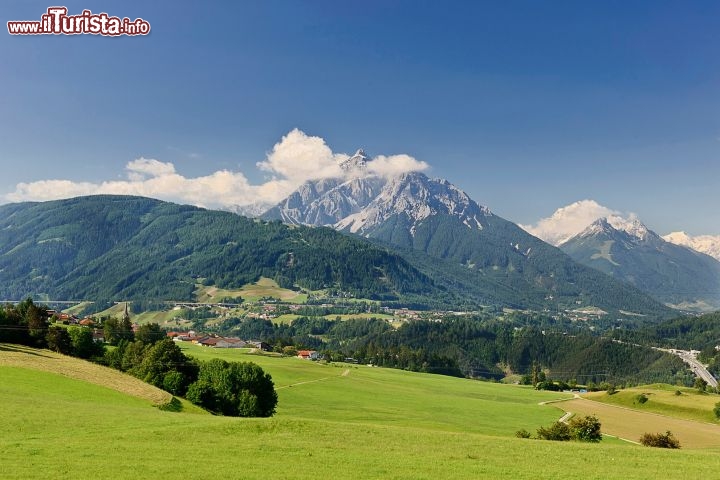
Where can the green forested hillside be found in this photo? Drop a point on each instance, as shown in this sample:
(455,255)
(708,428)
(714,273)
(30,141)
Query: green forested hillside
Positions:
(106,248)
(502,263)
(118,248)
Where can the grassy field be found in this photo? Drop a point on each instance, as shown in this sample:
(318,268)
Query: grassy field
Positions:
(264,287)
(688,415)
(285,318)
(359,393)
(339,422)
(44,360)
(167,318)
(75,309)
(662,399)
(630,424)
(289,317)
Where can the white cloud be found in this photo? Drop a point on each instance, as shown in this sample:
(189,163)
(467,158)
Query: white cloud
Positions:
(148,178)
(395,165)
(568,221)
(144,167)
(296,158)
(299,157)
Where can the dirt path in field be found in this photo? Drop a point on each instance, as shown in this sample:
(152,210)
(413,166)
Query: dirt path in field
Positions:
(47,361)
(629,424)
(345,373)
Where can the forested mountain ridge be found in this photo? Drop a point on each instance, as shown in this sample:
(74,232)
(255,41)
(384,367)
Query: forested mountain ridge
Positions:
(120,247)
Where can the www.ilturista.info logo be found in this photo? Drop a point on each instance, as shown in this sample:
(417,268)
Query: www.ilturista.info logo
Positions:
(57,22)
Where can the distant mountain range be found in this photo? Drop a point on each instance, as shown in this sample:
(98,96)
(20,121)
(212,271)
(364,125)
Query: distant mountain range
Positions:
(628,250)
(400,238)
(707,244)
(434,223)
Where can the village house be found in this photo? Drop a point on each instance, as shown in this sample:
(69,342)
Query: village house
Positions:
(259,345)
(230,343)
(308,354)
(207,341)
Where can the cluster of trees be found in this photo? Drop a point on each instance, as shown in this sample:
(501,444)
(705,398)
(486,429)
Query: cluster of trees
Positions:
(233,389)
(237,389)
(24,323)
(581,429)
(29,324)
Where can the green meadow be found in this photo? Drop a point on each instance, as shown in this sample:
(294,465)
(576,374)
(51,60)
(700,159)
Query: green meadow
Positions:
(662,399)
(333,421)
(263,288)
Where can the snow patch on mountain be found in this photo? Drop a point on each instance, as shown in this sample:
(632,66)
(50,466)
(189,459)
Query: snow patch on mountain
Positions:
(415,197)
(632,226)
(571,220)
(355,165)
(609,226)
(707,244)
(360,201)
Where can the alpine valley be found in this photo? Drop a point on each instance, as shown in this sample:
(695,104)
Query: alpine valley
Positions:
(406,239)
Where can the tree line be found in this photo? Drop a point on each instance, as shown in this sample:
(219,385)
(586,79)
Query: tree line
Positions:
(473,347)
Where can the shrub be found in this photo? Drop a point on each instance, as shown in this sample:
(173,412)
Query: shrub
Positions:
(678,393)
(175,383)
(660,440)
(548,385)
(642,398)
(558,431)
(522,433)
(585,429)
(716,410)
(234,389)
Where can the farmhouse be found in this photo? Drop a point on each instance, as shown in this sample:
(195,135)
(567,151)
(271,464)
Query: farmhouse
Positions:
(207,341)
(260,345)
(230,343)
(308,354)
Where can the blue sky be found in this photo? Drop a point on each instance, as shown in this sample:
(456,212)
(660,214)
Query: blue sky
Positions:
(528,106)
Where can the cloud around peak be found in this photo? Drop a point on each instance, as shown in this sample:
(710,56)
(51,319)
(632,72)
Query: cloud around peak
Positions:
(295,159)
(568,221)
(301,157)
